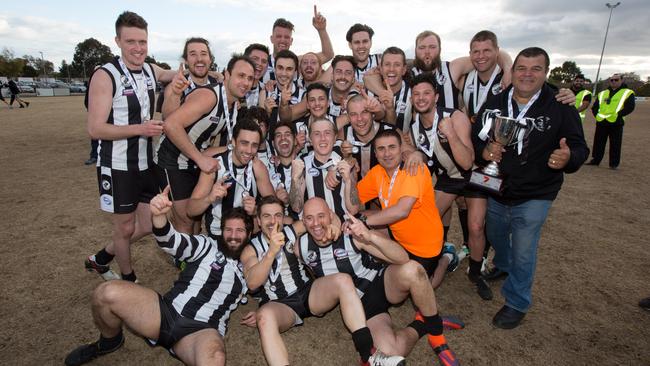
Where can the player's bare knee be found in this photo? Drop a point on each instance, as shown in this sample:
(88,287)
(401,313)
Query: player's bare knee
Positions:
(106,293)
(413,270)
(265,318)
(343,282)
(476,227)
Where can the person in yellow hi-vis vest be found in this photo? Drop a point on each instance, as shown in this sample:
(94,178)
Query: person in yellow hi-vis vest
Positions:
(583,96)
(610,108)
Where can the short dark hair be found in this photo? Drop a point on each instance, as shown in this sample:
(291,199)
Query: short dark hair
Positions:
(287,54)
(256,46)
(268,200)
(246,123)
(290,125)
(387,133)
(359,28)
(317,86)
(579,76)
(256,113)
(238,213)
(339,58)
(485,35)
(425,77)
(129,19)
(197,40)
(282,23)
(394,51)
(236,58)
(533,52)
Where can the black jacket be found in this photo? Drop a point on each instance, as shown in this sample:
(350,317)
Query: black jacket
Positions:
(628,106)
(527,176)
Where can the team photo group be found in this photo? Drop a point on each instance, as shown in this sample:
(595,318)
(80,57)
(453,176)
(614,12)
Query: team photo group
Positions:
(307,182)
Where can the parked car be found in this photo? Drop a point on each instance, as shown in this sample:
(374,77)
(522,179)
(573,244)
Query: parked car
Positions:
(77,88)
(59,85)
(26,87)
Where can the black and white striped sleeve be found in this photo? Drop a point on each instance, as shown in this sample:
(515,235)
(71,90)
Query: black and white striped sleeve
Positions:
(181,246)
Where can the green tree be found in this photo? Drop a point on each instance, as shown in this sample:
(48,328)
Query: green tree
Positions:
(152,60)
(35,66)
(65,70)
(565,73)
(10,65)
(87,55)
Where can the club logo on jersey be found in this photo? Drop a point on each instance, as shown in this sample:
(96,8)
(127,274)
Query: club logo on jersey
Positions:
(312,258)
(441,78)
(470,88)
(401,107)
(497,89)
(541,123)
(215,266)
(220,258)
(125,82)
(340,253)
(106,185)
(106,202)
(289,246)
(214,119)
(314,172)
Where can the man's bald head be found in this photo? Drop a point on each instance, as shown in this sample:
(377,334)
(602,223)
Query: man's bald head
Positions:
(315,204)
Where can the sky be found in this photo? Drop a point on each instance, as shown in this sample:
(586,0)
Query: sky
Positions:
(566,29)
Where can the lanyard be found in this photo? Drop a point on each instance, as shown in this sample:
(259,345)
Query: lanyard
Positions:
(230,123)
(421,136)
(248,174)
(142,99)
(479,98)
(521,116)
(390,188)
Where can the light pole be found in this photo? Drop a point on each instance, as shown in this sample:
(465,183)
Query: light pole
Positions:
(611,9)
(43,63)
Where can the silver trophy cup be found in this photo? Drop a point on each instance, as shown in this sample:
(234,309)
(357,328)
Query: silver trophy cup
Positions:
(506,131)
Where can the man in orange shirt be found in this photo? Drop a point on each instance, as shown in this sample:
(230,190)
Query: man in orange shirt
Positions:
(408,207)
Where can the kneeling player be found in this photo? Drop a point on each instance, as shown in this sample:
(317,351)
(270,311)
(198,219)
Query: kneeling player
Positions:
(163,320)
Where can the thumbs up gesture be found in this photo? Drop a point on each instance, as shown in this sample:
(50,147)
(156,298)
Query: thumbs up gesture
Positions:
(179,83)
(560,157)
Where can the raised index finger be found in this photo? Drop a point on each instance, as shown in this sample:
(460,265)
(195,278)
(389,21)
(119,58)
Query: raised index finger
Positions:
(315,11)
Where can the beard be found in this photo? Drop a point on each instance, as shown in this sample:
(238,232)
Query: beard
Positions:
(232,253)
(419,64)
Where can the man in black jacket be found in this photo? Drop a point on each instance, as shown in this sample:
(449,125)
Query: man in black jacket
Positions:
(611,105)
(533,171)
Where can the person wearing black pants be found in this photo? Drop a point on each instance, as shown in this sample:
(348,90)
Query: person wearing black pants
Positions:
(609,109)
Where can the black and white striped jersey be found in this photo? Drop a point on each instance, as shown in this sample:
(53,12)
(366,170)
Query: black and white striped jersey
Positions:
(403,106)
(315,173)
(362,152)
(373,61)
(297,93)
(270,70)
(242,179)
(440,158)
(334,110)
(133,153)
(476,93)
(202,132)
(340,256)
(211,285)
(253,95)
(446,89)
(287,274)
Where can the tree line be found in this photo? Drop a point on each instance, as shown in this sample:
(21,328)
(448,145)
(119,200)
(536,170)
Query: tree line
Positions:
(87,55)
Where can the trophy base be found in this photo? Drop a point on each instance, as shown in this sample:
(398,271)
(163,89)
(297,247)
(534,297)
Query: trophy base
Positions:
(486,182)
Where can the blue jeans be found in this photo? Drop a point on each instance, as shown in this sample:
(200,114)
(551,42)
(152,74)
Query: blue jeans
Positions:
(514,233)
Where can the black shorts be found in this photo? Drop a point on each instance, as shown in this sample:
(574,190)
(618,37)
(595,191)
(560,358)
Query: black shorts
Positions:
(459,187)
(182,181)
(429,264)
(298,302)
(121,191)
(173,326)
(374,300)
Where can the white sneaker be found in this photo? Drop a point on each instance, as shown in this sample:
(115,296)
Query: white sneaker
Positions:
(103,270)
(380,359)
